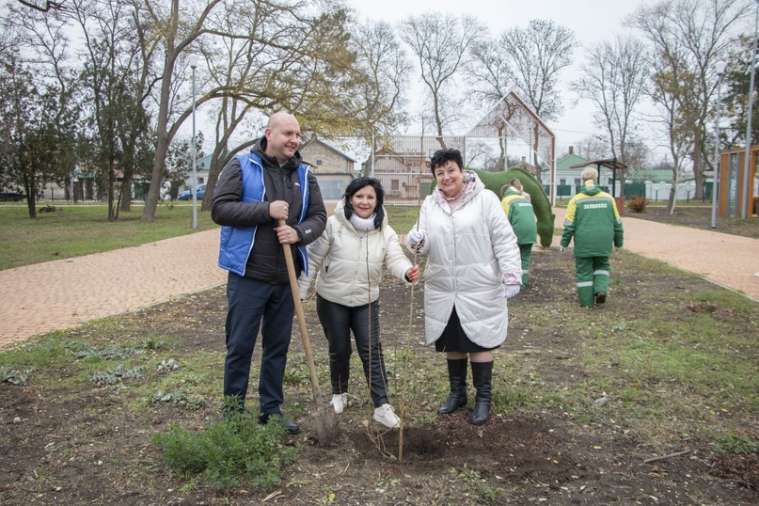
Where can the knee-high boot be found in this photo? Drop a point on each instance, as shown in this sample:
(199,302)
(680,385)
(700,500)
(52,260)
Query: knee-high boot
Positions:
(457,378)
(482,375)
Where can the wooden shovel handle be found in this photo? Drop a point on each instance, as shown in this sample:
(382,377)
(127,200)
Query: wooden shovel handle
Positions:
(301,316)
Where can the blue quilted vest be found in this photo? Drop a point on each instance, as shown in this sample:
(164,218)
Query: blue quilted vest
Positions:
(237,242)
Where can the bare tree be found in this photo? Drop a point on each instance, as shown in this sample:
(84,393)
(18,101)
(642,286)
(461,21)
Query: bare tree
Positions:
(110,60)
(44,107)
(491,77)
(529,59)
(491,72)
(441,44)
(382,72)
(300,63)
(593,147)
(178,27)
(700,30)
(42,5)
(614,79)
(671,88)
(537,55)
(309,65)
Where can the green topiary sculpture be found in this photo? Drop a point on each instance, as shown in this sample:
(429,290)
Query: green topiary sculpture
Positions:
(495,181)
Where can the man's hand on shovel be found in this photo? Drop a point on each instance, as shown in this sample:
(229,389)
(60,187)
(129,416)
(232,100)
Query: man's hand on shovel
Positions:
(286,234)
(324,419)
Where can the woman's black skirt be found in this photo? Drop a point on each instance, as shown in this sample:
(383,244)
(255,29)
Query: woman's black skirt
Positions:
(454,339)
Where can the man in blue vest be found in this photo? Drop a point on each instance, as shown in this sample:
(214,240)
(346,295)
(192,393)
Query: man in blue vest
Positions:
(253,192)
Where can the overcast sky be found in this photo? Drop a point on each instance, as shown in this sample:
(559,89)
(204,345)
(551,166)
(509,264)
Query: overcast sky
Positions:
(592,21)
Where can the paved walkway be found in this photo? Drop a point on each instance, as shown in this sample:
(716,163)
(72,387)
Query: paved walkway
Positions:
(65,293)
(727,260)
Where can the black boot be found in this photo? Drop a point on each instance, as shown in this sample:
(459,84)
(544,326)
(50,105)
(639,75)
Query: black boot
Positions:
(482,374)
(457,378)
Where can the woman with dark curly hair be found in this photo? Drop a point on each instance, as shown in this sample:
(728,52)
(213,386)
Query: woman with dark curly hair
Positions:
(473,267)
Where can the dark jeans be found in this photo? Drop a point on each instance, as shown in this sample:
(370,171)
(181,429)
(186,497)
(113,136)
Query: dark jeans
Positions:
(338,321)
(249,301)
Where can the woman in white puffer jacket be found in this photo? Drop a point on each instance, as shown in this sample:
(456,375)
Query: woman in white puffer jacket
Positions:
(473,267)
(349,258)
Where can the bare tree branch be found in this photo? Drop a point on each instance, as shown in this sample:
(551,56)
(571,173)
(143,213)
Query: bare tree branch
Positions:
(441,45)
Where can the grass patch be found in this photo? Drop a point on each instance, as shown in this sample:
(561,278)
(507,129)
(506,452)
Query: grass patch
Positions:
(727,299)
(191,385)
(75,231)
(402,218)
(229,453)
(477,486)
(46,352)
(737,445)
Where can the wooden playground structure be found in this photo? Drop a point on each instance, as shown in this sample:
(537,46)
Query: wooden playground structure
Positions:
(732,182)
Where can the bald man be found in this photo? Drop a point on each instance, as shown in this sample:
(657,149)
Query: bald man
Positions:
(254,190)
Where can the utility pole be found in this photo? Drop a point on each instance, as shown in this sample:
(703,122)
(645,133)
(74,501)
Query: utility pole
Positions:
(194,160)
(715,178)
(374,148)
(747,154)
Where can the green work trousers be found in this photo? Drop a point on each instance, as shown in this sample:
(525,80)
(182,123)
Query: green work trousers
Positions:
(592,278)
(524,252)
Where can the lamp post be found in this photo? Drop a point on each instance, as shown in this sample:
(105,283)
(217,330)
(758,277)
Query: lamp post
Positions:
(715,178)
(194,160)
(371,163)
(747,153)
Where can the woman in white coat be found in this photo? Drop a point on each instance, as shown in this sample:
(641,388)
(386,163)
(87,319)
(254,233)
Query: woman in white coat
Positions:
(349,258)
(473,267)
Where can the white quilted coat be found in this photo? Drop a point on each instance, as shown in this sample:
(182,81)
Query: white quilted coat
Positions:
(471,252)
(349,263)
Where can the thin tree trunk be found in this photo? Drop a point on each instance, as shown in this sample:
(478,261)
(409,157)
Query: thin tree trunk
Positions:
(673,189)
(698,165)
(31,192)
(125,194)
(163,140)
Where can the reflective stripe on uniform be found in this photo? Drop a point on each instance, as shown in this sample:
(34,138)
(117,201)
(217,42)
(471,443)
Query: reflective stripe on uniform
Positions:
(581,284)
(600,273)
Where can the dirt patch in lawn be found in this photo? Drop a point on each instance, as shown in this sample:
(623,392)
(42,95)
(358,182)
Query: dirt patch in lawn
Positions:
(72,442)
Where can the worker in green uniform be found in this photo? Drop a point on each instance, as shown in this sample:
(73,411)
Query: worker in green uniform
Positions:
(593,220)
(518,208)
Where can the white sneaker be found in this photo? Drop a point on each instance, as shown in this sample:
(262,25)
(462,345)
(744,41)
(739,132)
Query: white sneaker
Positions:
(386,416)
(339,402)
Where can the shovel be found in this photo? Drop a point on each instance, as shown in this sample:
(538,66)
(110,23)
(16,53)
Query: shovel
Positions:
(325,421)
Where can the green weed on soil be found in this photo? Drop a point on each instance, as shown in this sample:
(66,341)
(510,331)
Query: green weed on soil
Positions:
(229,453)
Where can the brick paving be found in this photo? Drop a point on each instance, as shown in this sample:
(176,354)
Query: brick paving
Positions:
(63,294)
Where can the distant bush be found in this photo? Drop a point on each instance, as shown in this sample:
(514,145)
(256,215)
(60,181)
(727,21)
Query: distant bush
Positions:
(637,204)
(229,453)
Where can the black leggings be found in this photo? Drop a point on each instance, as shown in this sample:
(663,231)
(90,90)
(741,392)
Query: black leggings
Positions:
(338,321)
